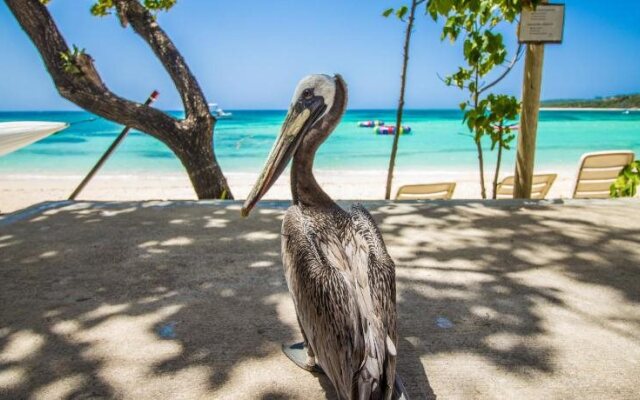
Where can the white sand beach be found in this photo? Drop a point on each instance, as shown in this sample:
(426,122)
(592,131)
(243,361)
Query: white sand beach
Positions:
(18,191)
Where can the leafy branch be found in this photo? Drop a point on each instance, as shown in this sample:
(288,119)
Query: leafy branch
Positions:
(626,185)
(401,11)
(105,7)
(70,60)
(473,22)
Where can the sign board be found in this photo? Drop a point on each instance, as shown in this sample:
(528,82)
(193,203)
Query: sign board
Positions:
(545,24)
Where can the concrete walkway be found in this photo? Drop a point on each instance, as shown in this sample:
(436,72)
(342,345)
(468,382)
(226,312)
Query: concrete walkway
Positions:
(150,300)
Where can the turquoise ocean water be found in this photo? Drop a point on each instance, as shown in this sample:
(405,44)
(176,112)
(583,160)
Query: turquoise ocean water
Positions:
(438,142)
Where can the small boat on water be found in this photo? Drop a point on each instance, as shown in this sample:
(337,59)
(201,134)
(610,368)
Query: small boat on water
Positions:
(16,135)
(391,130)
(370,124)
(626,112)
(218,112)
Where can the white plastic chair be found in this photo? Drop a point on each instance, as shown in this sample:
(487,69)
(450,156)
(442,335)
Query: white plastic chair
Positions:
(428,191)
(598,171)
(539,188)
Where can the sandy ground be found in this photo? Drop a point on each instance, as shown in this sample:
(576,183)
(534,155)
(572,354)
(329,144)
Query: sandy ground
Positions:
(185,300)
(20,191)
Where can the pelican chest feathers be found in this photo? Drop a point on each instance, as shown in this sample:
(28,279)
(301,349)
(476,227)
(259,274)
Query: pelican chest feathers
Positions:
(339,274)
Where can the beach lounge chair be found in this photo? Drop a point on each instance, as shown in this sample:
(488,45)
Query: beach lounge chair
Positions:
(539,189)
(429,191)
(598,171)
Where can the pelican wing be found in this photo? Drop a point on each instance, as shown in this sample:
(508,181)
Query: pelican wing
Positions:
(342,284)
(382,281)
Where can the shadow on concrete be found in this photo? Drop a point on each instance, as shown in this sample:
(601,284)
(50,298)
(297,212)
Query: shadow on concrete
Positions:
(157,299)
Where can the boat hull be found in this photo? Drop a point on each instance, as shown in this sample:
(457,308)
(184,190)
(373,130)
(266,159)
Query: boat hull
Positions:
(16,135)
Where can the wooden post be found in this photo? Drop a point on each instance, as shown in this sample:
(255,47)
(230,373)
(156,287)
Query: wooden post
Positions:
(109,151)
(531,84)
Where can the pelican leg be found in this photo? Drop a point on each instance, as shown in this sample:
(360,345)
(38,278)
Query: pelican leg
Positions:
(302,354)
(298,354)
(311,357)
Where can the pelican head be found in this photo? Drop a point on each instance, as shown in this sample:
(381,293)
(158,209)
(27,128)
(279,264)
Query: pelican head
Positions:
(315,100)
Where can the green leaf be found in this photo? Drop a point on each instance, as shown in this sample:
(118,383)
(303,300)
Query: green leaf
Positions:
(159,5)
(387,12)
(401,12)
(104,7)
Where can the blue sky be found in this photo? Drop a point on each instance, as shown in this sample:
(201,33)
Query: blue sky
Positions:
(250,54)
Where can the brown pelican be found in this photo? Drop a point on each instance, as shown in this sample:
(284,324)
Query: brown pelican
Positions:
(339,273)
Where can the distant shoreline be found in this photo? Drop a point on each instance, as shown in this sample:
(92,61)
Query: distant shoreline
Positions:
(588,109)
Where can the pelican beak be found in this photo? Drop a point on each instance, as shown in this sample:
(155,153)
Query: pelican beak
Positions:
(301,116)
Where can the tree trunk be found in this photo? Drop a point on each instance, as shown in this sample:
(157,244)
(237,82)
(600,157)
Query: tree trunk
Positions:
(403,81)
(498,161)
(190,139)
(477,138)
(199,161)
(483,190)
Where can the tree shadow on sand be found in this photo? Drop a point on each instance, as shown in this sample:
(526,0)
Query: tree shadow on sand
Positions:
(160,299)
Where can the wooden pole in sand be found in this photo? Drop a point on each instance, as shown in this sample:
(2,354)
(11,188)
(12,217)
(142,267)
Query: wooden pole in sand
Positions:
(110,150)
(531,85)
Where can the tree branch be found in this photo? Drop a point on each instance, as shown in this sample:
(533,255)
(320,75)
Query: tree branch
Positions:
(86,88)
(445,82)
(508,69)
(76,79)
(145,25)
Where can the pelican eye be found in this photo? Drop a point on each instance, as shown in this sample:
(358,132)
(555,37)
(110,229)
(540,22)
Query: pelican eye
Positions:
(307,94)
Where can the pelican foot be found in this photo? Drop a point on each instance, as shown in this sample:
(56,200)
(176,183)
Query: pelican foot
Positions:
(400,396)
(399,391)
(298,354)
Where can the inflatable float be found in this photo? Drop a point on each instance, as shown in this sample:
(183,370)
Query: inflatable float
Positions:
(391,130)
(370,124)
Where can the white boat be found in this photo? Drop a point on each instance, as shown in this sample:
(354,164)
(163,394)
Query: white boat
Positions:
(219,112)
(15,135)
